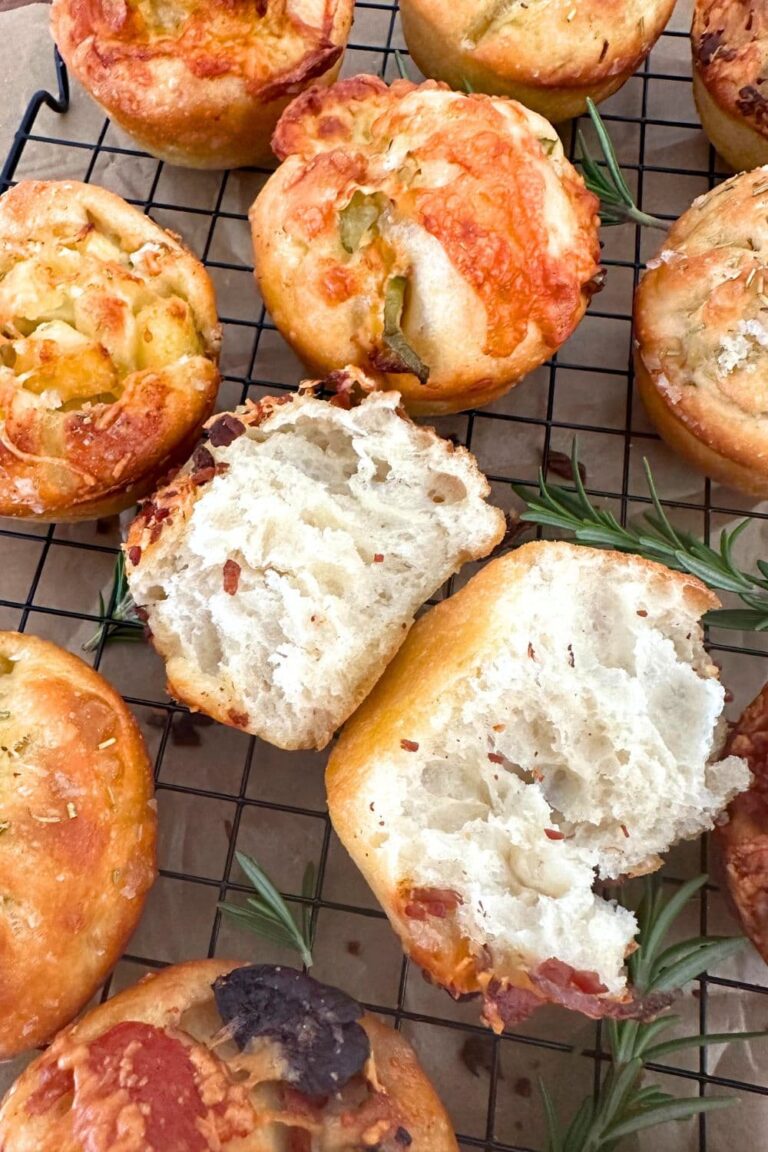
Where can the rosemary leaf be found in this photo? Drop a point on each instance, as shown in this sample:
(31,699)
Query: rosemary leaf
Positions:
(623,1105)
(655,538)
(401,65)
(267,914)
(657,1053)
(606,180)
(123,624)
(663,1113)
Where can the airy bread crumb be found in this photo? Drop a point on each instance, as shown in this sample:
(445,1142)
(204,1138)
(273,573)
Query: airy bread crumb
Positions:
(278,591)
(571,734)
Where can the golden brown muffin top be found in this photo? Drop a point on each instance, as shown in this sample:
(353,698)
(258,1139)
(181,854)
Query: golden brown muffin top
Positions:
(77,835)
(108,347)
(730,54)
(553,43)
(701,318)
(269,46)
(167,1063)
(468,197)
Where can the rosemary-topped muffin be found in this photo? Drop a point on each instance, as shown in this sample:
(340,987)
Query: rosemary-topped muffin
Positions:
(439,240)
(729,39)
(701,332)
(77,836)
(549,54)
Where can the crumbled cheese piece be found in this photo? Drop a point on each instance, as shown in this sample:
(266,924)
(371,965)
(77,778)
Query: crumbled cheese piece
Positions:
(50,398)
(71,810)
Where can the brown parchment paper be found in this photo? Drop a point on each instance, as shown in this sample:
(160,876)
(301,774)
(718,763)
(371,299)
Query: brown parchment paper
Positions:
(354,948)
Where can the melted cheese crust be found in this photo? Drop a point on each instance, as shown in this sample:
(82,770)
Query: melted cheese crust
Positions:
(701,326)
(472,200)
(108,350)
(389,1106)
(201,84)
(539,51)
(77,836)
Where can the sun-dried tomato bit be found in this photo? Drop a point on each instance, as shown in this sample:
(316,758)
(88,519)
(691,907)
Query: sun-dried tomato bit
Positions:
(625,830)
(231,576)
(564,976)
(378,558)
(225,430)
(423,902)
(495,758)
(134,554)
(409,745)
(554,834)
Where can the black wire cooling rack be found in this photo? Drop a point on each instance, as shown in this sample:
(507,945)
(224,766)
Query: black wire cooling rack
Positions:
(219,790)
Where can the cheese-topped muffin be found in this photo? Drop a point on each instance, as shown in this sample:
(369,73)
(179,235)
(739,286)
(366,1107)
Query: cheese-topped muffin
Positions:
(108,349)
(729,39)
(201,84)
(549,54)
(213,1056)
(701,332)
(77,836)
(437,239)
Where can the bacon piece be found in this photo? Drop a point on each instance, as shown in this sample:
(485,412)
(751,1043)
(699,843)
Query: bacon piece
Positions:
(231,573)
(225,430)
(134,554)
(409,745)
(743,841)
(423,902)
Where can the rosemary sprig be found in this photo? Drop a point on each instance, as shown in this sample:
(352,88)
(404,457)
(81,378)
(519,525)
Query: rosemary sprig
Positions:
(622,1106)
(123,624)
(268,915)
(617,205)
(656,538)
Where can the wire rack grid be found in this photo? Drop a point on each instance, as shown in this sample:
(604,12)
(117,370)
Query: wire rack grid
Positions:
(219,791)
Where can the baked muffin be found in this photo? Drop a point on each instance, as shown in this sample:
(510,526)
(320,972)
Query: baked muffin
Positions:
(77,836)
(514,753)
(437,239)
(729,39)
(551,56)
(701,334)
(281,568)
(743,841)
(201,84)
(108,350)
(212,1056)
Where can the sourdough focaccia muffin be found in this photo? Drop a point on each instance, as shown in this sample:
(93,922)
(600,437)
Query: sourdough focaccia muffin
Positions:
(108,349)
(77,836)
(437,239)
(701,333)
(514,753)
(211,1056)
(549,54)
(729,40)
(201,84)
(281,568)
